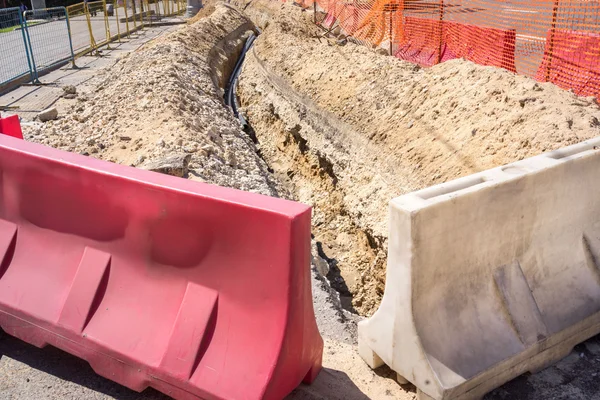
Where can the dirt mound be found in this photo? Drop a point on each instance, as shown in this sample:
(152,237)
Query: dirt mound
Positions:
(164,101)
(355,128)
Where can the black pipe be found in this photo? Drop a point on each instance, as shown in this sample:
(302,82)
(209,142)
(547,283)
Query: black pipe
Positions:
(230,91)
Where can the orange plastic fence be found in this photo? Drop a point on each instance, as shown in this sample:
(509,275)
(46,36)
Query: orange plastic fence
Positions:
(550,40)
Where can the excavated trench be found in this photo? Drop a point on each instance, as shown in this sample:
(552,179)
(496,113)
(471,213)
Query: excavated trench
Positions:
(346,130)
(284,133)
(355,256)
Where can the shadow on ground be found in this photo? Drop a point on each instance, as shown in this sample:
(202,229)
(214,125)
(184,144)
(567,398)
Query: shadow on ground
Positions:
(331,385)
(49,367)
(28,373)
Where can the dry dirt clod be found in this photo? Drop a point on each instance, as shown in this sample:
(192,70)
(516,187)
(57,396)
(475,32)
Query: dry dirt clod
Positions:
(320,264)
(69,92)
(175,165)
(69,89)
(48,114)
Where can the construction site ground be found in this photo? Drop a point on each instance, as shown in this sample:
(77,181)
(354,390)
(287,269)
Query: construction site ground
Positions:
(334,124)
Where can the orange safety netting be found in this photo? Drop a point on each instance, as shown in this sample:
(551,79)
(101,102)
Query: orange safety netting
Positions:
(550,40)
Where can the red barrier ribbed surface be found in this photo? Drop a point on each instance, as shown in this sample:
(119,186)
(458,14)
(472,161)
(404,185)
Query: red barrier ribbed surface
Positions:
(199,291)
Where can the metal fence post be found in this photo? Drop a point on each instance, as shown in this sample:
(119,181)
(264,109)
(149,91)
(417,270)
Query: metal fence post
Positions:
(106,25)
(93,45)
(27,47)
(391,31)
(127,18)
(142,13)
(148,11)
(116,11)
(70,39)
(157,10)
(35,79)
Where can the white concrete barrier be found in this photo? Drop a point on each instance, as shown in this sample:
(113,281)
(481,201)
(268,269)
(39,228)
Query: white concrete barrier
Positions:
(491,275)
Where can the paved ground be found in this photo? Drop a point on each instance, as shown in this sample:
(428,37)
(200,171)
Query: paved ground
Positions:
(50,40)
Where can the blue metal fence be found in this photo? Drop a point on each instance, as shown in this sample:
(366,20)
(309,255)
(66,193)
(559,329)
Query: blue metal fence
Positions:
(15,59)
(33,41)
(49,37)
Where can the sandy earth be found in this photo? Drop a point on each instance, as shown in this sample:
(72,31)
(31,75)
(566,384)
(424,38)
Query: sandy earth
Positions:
(339,127)
(379,127)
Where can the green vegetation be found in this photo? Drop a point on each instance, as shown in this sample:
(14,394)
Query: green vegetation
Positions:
(12,28)
(9,29)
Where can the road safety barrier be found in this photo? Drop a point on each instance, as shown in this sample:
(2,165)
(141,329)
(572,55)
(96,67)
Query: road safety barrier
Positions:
(11,126)
(549,40)
(195,290)
(491,275)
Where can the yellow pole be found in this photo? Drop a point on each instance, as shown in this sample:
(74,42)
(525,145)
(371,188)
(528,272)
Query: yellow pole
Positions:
(148,11)
(126,17)
(157,8)
(134,21)
(141,14)
(116,9)
(93,46)
(106,25)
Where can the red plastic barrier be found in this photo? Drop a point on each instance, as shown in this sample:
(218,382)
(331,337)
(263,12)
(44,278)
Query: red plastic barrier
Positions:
(572,61)
(484,46)
(196,290)
(11,126)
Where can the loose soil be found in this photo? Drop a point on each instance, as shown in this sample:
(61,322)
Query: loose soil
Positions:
(348,129)
(165,102)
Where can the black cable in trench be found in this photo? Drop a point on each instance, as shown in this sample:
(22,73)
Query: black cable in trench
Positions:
(231,89)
